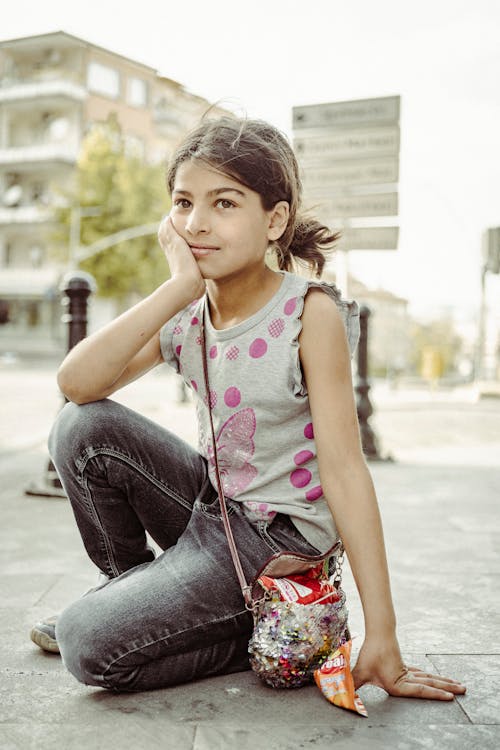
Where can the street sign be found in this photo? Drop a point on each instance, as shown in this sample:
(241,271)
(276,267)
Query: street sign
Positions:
(348,154)
(349,206)
(369,238)
(492,259)
(363,143)
(350,172)
(347,114)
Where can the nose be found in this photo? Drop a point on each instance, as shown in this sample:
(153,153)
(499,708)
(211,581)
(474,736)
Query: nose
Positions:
(197,221)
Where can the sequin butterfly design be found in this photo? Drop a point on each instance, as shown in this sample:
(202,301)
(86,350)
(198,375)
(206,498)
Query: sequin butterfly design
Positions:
(235,448)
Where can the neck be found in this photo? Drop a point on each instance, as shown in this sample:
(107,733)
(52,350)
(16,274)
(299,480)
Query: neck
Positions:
(234,300)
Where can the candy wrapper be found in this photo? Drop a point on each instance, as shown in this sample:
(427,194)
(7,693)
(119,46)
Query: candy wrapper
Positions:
(334,679)
(298,623)
(302,589)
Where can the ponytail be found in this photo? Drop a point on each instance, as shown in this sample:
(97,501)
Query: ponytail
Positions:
(310,244)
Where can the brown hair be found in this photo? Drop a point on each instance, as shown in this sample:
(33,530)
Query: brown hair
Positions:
(261,158)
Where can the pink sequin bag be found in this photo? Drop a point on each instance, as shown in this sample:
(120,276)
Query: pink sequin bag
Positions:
(291,637)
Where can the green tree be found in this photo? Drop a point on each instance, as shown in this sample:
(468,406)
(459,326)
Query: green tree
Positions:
(126,192)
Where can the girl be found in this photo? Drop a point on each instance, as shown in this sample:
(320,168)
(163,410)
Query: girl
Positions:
(278,349)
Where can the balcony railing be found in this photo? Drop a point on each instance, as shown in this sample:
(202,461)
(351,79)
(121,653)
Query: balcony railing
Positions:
(21,90)
(25,215)
(43,152)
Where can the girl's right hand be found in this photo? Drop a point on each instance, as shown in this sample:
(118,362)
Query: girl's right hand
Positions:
(180,259)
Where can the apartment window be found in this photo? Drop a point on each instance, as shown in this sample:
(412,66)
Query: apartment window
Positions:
(137,92)
(103,80)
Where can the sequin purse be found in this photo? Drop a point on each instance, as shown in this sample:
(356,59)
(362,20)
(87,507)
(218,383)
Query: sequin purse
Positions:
(290,640)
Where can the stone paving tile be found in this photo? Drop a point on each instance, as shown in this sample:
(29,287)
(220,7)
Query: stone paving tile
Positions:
(296,737)
(444,615)
(235,700)
(481,674)
(110,734)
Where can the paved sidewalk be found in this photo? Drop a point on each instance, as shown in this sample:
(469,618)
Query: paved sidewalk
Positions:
(439,503)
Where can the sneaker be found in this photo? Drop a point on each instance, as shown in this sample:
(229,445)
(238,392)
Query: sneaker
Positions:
(44,634)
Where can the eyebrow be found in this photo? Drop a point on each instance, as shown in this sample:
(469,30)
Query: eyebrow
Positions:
(211,193)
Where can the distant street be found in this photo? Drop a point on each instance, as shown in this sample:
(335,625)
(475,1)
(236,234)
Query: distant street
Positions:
(410,423)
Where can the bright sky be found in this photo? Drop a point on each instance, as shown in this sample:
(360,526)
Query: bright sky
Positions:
(263,57)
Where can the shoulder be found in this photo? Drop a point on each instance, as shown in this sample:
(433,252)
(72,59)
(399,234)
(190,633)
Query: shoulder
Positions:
(321,317)
(324,351)
(325,307)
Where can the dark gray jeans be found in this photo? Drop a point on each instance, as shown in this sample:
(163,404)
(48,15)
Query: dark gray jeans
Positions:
(165,620)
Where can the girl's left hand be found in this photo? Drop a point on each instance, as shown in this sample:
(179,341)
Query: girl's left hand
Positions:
(382,665)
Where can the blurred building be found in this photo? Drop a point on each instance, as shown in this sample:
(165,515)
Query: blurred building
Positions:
(53,87)
(388,327)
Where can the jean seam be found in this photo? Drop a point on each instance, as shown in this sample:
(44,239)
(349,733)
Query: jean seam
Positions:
(266,537)
(165,638)
(94,452)
(108,547)
(91,453)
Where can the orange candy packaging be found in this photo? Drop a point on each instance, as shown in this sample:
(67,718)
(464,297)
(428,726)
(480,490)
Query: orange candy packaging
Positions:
(334,679)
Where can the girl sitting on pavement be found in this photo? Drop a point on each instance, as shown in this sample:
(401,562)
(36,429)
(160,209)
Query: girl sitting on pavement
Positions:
(278,349)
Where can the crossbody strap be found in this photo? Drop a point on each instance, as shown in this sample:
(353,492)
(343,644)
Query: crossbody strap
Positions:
(245,588)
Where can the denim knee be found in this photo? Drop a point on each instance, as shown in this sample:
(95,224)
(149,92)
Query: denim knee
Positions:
(79,643)
(78,426)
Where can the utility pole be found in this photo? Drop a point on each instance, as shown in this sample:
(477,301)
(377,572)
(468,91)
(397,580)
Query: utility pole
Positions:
(490,255)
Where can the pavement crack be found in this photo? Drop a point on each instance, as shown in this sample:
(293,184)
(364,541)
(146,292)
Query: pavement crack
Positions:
(46,591)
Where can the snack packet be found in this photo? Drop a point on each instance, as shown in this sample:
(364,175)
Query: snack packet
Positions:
(302,588)
(334,679)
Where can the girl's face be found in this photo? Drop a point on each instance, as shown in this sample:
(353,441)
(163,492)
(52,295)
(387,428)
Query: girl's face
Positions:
(222,221)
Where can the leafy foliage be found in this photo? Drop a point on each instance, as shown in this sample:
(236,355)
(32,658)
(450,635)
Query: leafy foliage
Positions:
(125,191)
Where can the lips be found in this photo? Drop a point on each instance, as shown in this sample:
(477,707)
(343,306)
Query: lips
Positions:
(202,250)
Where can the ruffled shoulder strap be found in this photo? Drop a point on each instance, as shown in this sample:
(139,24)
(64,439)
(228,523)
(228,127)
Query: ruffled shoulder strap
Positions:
(349,310)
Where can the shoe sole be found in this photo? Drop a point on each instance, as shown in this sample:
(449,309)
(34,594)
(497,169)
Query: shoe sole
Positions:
(44,641)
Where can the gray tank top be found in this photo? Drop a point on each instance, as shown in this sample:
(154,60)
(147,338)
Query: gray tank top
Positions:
(260,406)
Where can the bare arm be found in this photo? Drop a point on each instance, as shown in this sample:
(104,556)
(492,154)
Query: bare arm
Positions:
(130,345)
(350,494)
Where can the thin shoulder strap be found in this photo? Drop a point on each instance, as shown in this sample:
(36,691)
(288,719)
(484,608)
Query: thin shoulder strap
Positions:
(245,588)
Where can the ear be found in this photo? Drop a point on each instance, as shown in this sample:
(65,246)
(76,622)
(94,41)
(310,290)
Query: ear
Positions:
(278,219)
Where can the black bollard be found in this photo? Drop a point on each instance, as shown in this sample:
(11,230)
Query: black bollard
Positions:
(364,408)
(77,286)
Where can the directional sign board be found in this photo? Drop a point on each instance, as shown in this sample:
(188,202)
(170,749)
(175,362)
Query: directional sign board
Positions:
(347,174)
(348,144)
(373,204)
(369,238)
(348,154)
(350,114)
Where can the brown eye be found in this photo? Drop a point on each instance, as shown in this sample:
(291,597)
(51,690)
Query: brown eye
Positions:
(225,203)
(182,203)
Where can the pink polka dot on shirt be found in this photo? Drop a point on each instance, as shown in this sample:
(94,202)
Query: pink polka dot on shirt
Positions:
(290,305)
(300,477)
(276,327)
(309,431)
(302,457)
(232,397)
(257,348)
(314,493)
